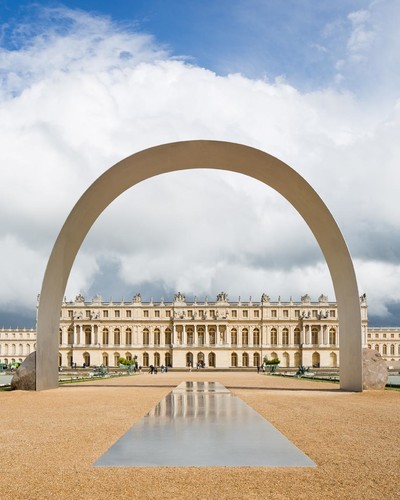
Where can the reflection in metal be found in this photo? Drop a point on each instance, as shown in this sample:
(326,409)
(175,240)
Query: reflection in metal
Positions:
(203,424)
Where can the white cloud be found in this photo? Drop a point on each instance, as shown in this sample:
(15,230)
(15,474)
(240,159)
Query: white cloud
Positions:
(74,103)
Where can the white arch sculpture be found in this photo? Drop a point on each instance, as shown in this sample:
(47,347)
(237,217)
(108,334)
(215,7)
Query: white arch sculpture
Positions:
(184,156)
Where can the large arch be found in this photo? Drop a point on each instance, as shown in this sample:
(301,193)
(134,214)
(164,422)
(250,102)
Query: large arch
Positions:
(189,155)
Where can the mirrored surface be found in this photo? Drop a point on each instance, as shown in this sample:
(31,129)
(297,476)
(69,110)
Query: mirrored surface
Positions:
(203,424)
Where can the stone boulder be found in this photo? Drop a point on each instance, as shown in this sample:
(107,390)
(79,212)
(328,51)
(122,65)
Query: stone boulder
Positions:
(25,375)
(375,374)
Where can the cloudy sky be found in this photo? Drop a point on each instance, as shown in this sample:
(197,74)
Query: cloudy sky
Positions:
(84,84)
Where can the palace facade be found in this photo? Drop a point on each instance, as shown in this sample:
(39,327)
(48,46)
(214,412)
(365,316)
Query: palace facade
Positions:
(220,334)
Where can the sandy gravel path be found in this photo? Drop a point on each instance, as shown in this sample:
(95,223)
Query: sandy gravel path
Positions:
(49,441)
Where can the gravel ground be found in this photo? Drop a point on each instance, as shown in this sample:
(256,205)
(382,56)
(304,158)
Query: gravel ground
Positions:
(49,441)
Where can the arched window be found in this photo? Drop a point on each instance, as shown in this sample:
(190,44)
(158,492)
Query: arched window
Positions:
(200,358)
(70,336)
(157,359)
(333,357)
(28,349)
(376,347)
(286,359)
(245,337)
(117,336)
(20,349)
(256,337)
(189,359)
(212,336)
(128,336)
(146,339)
(384,349)
(13,349)
(86,359)
(297,359)
(332,336)
(168,359)
(297,336)
(316,360)
(234,338)
(105,359)
(59,360)
(314,335)
(274,336)
(190,335)
(88,336)
(256,359)
(234,359)
(128,356)
(105,336)
(245,359)
(117,355)
(157,338)
(168,337)
(145,359)
(211,359)
(200,335)
(392,350)
(285,337)
(60,339)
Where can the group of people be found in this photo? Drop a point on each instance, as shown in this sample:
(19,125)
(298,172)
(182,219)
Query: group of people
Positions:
(154,369)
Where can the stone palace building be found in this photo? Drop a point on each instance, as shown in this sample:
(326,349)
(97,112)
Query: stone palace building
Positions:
(220,334)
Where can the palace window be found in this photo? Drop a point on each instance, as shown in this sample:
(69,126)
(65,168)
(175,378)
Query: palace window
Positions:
(234,359)
(146,337)
(314,335)
(105,314)
(168,336)
(105,336)
(128,334)
(392,350)
(234,338)
(212,314)
(87,314)
(245,336)
(332,336)
(117,313)
(245,359)
(274,313)
(285,313)
(314,313)
(146,314)
(190,313)
(168,313)
(129,313)
(384,349)
(117,336)
(297,313)
(297,336)
(156,314)
(212,337)
(245,314)
(285,336)
(256,314)
(157,336)
(234,314)
(70,314)
(274,336)
(256,336)
(332,313)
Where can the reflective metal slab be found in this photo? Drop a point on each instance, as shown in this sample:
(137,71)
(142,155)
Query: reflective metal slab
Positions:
(203,424)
